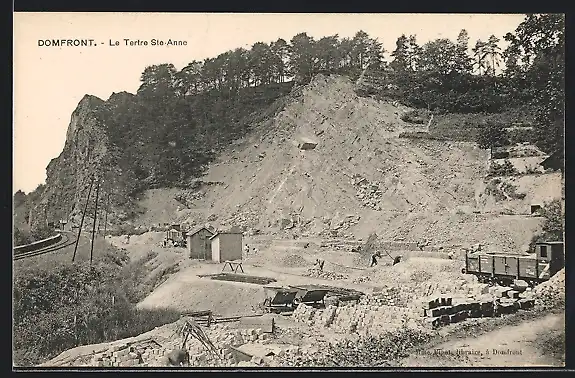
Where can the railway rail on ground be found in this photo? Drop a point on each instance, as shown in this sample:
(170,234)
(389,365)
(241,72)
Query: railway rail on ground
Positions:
(66,240)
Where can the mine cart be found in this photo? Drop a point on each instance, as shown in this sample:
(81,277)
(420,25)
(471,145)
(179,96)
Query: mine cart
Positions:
(311,296)
(279,299)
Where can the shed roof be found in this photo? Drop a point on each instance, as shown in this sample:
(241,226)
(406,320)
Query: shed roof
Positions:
(550,242)
(196,230)
(227,232)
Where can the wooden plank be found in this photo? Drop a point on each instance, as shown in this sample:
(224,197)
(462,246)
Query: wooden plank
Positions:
(486,264)
(499,265)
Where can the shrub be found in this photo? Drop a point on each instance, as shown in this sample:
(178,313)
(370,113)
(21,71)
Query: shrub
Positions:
(511,191)
(552,229)
(503,169)
(69,305)
(416,116)
(41,232)
(492,135)
(21,237)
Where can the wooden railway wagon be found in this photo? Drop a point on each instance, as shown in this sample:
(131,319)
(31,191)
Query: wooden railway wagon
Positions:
(547,259)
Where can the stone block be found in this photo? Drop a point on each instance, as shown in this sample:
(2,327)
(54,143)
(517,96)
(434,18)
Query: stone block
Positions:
(436,311)
(433,323)
(486,306)
(474,313)
(121,353)
(432,303)
(526,304)
(506,308)
(520,285)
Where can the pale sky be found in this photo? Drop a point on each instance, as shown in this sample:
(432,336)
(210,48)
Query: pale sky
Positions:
(50,81)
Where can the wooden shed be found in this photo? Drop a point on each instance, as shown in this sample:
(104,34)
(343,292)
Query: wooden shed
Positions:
(174,233)
(227,246)
(199,243)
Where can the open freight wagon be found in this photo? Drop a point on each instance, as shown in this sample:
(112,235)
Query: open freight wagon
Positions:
(547,259)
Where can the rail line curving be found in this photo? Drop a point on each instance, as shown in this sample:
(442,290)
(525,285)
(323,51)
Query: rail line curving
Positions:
(64,241)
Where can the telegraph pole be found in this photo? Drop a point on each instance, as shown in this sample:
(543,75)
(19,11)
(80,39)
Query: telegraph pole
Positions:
(94,225)
(82,221)
(106,215)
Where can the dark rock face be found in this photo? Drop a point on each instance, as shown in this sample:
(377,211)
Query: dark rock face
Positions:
(69,173)
(154,139)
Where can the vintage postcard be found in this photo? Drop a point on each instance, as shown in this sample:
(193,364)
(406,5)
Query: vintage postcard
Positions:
(256,191)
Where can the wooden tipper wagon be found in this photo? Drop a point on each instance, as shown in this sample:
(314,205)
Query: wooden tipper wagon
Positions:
(310,295)
(279,299)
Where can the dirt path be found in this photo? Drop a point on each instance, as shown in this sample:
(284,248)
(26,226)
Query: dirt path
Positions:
(525,344)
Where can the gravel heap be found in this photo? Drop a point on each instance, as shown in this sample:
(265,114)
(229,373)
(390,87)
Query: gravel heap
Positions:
(551,294)
(294,261)
(316,273)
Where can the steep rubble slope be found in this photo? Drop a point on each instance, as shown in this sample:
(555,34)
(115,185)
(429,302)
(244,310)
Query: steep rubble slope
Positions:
(359,164)
(360,176)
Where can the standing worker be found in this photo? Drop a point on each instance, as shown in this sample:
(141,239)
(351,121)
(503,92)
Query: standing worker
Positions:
(374,259)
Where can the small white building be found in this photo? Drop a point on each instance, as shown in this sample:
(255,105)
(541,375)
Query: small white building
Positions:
(227,246)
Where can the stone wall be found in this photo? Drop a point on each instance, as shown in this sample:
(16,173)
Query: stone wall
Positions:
(362,319)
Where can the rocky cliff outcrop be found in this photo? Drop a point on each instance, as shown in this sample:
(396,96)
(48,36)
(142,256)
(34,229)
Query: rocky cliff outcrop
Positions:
(68,175)
(137,142)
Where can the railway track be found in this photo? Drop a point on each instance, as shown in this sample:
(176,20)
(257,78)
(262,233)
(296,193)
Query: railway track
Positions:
(65,242)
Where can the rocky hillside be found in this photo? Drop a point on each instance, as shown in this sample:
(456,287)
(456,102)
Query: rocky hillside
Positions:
(360,177)
(357,174)
(85,149)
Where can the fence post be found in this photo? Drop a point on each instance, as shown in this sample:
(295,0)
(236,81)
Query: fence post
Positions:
(75,330)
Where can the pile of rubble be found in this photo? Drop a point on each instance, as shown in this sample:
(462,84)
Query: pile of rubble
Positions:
(188,198)
(242,220)
(361,319)
(295,357)
(153,352)
(551,294)
(333,226)
(388,296)
(326,275)
(368,193)
(294,261)
(343,245)
(361,279)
